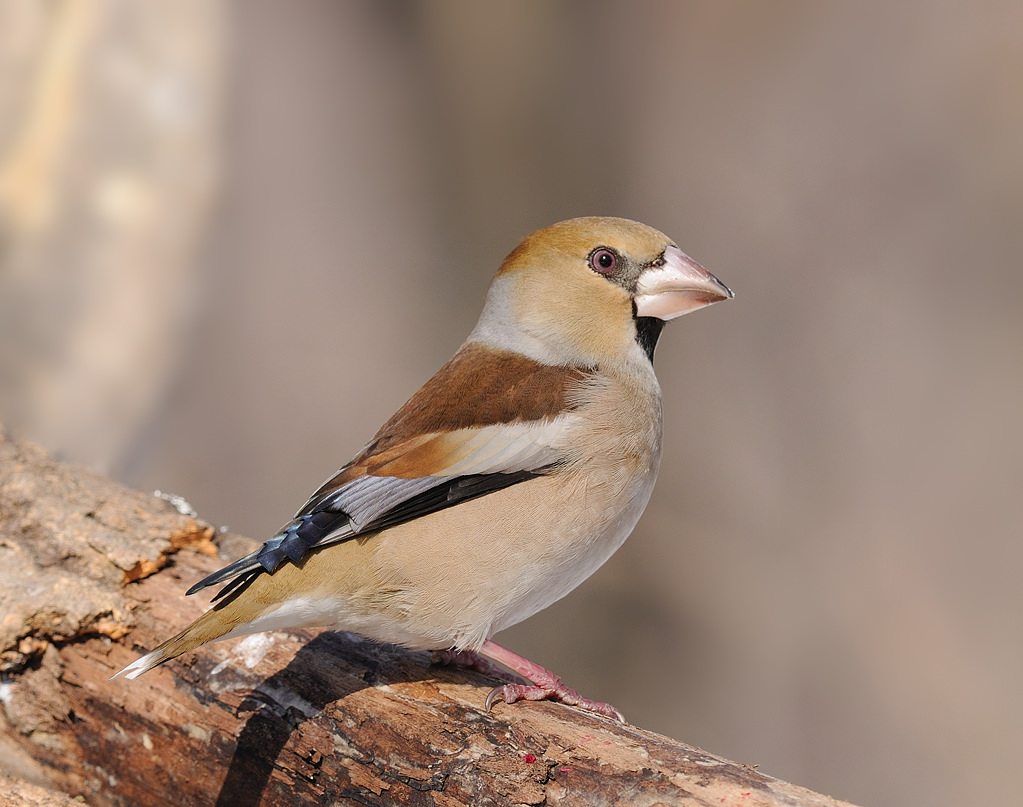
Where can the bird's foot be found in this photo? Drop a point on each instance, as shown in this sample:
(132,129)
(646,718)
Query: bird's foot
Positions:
(554,691)
(545,685)
(474,661)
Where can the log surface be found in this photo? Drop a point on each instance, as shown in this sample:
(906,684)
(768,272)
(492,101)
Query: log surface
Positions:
(19,793)
(92,574)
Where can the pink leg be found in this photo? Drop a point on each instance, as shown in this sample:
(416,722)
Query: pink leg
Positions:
(474,661)
(547,686)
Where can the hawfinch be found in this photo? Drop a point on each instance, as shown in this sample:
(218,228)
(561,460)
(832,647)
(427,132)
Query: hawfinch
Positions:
(507,480)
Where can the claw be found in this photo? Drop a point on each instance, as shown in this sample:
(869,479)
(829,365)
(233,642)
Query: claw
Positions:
(543,684)
(557,691)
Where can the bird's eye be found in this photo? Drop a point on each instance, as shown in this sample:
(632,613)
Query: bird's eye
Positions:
(603,260)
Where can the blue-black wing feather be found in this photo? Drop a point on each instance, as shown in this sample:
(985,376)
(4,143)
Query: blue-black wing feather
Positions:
(315,528)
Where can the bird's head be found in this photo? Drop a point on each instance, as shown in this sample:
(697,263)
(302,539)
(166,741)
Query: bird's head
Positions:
(589,290)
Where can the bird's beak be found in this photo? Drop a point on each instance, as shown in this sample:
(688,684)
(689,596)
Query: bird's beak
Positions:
(676,287)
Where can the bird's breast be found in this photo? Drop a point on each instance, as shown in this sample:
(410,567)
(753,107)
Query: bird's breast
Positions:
(466,572)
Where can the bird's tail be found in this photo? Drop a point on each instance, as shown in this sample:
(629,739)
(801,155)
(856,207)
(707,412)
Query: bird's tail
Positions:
(214,624)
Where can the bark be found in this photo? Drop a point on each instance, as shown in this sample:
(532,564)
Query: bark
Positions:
(19,793)
(91,574)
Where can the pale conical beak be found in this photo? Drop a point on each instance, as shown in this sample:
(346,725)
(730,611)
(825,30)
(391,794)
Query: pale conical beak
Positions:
(676,287)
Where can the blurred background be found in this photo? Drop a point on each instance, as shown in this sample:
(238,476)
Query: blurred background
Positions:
(234,237)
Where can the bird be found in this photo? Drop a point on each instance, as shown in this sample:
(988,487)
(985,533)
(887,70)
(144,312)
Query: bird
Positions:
(502,484)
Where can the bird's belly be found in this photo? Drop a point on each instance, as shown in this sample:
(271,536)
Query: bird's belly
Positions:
(559,573)
(459,576)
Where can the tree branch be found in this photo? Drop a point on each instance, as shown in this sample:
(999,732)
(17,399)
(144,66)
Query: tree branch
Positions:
(92,573)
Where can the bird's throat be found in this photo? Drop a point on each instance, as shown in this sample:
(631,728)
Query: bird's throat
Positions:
(648,329)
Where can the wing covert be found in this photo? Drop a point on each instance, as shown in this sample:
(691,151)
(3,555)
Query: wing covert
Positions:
(474,462)
(487,420)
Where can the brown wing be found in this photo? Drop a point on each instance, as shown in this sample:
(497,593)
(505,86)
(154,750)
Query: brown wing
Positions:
(485,421)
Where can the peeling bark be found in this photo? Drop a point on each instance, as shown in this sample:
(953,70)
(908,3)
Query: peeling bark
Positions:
(18,793)
(93,574)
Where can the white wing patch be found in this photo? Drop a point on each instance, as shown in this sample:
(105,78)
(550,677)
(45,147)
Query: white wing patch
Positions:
(463,465)
(504,448)
(511,447)
(368,497)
